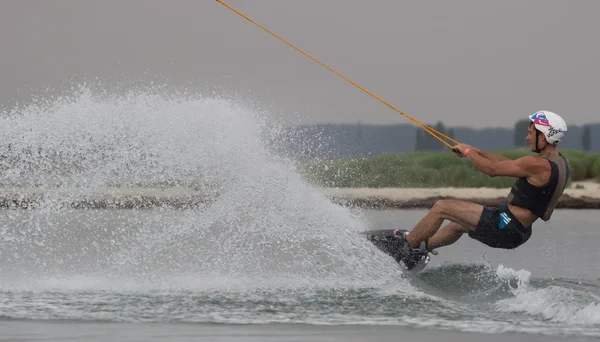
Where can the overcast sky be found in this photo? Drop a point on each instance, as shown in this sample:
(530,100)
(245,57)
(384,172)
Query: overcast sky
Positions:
(476,63)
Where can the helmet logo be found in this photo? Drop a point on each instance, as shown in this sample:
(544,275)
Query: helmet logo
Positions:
(553,131)
(539,118)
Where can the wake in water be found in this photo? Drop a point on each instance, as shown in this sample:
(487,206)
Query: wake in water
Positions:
(528,304)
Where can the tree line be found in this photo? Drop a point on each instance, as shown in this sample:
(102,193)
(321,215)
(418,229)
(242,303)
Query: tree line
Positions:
(520,132)
(426,142)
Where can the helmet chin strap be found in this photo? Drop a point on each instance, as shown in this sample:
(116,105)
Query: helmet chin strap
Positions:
(537,147)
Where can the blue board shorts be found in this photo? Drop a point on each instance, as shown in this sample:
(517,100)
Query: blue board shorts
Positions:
(499,228)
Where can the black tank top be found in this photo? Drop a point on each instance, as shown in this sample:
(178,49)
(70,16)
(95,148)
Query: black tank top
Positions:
(541,200)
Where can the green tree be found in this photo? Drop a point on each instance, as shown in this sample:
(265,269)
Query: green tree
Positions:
(419,143)
(521,132)
(586,138)
(426,142)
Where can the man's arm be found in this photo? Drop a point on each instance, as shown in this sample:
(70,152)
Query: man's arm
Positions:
(490,156)
(512,168)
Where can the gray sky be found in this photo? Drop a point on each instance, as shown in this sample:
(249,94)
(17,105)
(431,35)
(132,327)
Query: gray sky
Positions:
(476,63)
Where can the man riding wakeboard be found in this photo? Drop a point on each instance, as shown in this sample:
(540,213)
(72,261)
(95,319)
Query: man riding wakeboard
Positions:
(540,182)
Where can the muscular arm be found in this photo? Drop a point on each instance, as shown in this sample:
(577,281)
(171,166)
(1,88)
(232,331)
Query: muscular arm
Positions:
(522,167)
(490,156)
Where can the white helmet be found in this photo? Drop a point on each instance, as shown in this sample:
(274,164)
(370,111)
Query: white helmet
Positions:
(550,124)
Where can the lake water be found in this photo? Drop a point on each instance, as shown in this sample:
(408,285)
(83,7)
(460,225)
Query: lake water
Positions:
(159,274)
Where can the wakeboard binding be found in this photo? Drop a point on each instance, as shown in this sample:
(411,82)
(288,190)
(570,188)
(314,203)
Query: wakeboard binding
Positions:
(393,242)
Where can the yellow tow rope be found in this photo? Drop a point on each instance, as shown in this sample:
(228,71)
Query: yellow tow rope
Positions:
(428,129)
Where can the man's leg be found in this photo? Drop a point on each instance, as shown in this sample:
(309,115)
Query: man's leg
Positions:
(464,214)
(447,235)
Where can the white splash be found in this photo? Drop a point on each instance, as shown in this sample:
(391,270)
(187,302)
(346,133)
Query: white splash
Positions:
(265,220)
(555,303)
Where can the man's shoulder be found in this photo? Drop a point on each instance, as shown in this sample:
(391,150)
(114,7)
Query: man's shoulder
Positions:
(534,162)
(530,159)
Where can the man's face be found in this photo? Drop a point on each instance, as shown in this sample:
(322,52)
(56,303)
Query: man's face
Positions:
(531,137)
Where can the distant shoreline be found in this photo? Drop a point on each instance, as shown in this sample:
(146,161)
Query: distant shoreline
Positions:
(587,196)
(374,202)
(584,195)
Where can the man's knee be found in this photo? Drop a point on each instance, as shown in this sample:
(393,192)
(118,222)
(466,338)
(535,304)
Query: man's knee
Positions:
(442,207)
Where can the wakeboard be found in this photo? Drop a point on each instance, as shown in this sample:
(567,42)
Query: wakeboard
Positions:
(393,243)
